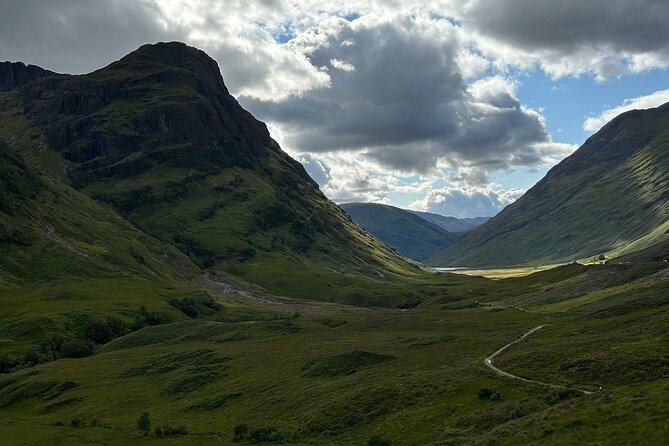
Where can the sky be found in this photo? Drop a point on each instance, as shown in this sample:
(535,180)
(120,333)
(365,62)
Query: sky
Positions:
(455,106)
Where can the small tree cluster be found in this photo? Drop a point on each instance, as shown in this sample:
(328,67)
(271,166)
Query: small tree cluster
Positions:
(144,423)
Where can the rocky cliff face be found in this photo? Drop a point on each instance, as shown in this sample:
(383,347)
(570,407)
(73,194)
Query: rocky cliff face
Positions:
(163,94)
(18,74)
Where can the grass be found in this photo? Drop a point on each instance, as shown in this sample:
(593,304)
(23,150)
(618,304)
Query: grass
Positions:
(339,374)
(503,273)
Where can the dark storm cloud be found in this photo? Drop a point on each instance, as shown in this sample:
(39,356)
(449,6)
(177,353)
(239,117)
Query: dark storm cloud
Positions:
(396,91)
(76,36)
(567,25)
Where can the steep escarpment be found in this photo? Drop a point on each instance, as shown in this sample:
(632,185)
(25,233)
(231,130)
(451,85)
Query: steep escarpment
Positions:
(18,74)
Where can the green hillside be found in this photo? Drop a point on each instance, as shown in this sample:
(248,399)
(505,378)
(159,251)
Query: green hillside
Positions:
(409,234)
(157,137)
(610,196)
(64,257)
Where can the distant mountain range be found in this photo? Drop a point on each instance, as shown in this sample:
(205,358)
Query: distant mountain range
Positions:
(411,234)
(610,197)
(452,224)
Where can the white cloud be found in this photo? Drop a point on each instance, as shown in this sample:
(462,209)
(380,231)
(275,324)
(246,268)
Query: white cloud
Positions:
(603,38)
(343,65)
(594,123)
(466,202)
(399,96)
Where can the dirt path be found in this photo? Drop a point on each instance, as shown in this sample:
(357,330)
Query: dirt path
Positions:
(243,293)
(488,362)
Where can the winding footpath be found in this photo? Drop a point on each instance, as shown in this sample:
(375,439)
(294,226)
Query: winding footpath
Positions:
(488,362)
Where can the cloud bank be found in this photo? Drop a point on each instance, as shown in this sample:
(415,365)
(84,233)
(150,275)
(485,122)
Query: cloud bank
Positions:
(377,98)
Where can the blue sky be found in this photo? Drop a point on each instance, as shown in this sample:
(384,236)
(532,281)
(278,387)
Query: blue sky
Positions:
(568,101)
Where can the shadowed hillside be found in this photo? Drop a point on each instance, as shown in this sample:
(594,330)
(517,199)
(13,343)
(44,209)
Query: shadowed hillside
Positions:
(411,235)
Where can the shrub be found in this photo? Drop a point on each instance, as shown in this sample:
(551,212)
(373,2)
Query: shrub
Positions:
(158,431)
(102,331)
(186,306)
(144,423)
(76,422)
(146,317)
(273,216)
(247,253)
(76,348)
(204,258)
(31,357)
(304,235)
(174,431)
(561,394)
(51,346)
(6,364)
(379,441)
(268,434)
(486,393)
(241,431)
(135,198)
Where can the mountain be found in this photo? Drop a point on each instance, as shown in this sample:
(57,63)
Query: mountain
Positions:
(52,233)
(610,196)
(452,224)
(411,235)
(157,138)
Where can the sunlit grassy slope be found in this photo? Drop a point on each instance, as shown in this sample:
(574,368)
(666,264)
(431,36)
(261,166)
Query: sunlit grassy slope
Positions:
(611,195)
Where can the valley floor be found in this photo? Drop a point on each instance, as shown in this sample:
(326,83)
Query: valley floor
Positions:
(329,374)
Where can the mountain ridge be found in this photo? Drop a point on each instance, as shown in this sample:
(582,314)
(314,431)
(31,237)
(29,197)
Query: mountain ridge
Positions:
(610,194)
(410,234)
(452,224)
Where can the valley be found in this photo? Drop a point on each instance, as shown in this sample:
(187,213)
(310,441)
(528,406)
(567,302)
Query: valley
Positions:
(168,274)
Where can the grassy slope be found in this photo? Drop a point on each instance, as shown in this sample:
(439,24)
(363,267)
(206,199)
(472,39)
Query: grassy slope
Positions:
(64,254)
(422,392)
(408,233)
(609,196)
